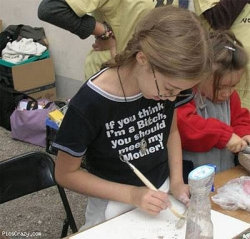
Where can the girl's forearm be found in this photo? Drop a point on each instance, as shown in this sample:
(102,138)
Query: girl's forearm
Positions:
(175,153)
(175,159)
(86,183)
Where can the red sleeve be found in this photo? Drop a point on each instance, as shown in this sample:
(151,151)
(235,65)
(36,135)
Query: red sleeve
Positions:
(199,134)
(240,117)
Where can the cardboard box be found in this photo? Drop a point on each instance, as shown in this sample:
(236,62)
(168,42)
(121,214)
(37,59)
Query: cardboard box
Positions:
(36,78)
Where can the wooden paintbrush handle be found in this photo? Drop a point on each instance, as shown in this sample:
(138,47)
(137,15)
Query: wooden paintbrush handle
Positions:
(143,178)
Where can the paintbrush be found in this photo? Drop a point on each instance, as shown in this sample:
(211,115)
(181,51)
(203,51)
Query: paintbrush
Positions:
(151,186)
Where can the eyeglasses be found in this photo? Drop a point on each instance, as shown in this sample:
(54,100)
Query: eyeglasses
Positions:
(170,91)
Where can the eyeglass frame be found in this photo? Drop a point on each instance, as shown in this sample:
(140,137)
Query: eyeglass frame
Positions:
(166,96)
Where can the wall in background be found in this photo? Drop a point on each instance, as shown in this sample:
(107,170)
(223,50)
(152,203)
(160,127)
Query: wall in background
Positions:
(67,50)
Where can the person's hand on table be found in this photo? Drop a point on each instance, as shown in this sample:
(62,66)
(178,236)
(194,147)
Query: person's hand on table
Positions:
(181,192)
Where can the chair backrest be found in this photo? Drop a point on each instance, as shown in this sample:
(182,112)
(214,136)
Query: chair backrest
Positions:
(25,174)
(28,173)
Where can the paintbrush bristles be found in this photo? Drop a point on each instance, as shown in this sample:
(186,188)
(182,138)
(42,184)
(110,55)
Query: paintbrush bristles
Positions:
(180,223)
(176,213)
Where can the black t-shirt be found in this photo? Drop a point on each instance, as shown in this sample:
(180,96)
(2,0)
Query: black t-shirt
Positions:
(104,127)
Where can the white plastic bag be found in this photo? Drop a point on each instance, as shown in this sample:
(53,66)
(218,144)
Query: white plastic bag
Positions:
(234,194)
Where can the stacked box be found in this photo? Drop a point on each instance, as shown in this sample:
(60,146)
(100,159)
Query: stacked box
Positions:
(35,78)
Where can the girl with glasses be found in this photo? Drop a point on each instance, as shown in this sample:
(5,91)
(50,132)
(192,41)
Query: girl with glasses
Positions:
(214,126)
(126,113)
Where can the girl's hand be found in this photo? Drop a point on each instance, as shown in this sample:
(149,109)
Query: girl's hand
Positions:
(247,139)
(236,143)
(181,192)
(150,201)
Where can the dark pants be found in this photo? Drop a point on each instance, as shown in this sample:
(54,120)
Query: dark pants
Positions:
(188,166)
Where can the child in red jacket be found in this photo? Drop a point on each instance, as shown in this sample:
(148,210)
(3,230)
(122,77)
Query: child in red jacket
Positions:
(214,126)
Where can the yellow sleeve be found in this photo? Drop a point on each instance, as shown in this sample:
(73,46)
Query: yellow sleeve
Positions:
(82,7)
(203,5)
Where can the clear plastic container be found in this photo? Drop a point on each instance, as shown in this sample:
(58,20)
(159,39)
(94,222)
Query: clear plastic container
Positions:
(199,224)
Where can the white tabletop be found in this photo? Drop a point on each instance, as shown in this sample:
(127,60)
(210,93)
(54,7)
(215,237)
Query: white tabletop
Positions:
(139,225)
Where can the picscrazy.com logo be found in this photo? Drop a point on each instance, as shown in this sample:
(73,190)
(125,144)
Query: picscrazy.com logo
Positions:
(245,20)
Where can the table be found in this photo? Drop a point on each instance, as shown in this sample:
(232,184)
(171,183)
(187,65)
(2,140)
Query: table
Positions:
(220,179)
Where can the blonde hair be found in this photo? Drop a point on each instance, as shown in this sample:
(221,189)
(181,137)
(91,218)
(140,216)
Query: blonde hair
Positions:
(173,41)
(229,55)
